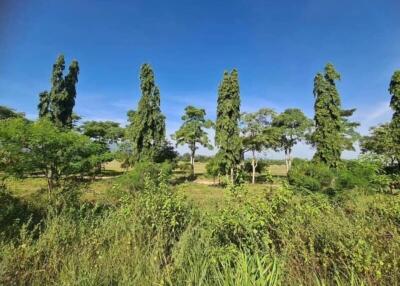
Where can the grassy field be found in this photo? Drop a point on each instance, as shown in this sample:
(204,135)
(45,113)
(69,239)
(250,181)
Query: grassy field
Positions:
(202,192)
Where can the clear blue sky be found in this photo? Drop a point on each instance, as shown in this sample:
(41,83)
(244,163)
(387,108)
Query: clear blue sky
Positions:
(277,46)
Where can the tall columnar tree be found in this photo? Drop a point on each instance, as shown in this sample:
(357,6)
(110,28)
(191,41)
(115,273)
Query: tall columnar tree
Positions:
(147,131)
(71,79)
(227,135)
(333,132)
(192,131)
(292,127)
(394,90)
(258,134)
(58,104)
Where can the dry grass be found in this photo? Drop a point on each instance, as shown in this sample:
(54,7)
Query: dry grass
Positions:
(212,198)
(278,170)
(114,166)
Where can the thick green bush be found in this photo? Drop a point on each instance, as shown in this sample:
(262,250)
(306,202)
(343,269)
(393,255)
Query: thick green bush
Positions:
(311,176)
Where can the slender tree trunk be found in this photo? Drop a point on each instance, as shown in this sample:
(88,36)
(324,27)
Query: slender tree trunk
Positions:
(287,160)
(254,166)
(192,154)
(50,185)
(290,159)
(232,175)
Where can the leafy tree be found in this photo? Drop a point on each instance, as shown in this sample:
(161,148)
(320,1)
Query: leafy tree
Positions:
(227,135)
(105,133)
(293,126)
(192,131)
(381,142)
(166,153)
(384,139)
(6,112)
(58,104)
(258,134)
(147,131)
(27,147)
(333,131)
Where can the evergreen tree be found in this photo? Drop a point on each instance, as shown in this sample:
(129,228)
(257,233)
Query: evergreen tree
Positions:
(70,86)
(394,90)
(333,131)
(147,131)
(227,135)
(58,104)
(44,104)
(57,92)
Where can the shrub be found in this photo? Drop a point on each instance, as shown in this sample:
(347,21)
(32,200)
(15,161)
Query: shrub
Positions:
(134,180)
(311,176)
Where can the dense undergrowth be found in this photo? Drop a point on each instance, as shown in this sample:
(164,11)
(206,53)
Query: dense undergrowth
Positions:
(155,237)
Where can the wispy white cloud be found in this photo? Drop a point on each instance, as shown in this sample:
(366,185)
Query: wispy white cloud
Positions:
(382,111)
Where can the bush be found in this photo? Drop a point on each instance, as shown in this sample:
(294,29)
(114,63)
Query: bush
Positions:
(311,176)
(134,181)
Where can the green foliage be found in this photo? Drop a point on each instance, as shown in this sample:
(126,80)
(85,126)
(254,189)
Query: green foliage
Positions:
(394,90)
(311,176)
(258,134)
(14,213)
(58,104)
(293,126)
(215,167)
(6,112)
(105,132)
(192,131)
(154,237)
(333,132)
(42,147)
(147,130)
(135,180)
(227,132)
(381,142)
(363,174)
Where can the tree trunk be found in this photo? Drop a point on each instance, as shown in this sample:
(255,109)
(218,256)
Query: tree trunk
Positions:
(290,158)
(50,184)
(192,154)
(232,177)
(254,166)
(287,160)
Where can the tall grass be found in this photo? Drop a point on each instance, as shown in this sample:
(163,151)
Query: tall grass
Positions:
(155,237)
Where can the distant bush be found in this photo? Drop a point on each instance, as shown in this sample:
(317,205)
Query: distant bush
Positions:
(134,180)
(311,176)
(362,174)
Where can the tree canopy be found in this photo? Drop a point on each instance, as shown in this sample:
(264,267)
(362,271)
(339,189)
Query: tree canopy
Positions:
(28,147)
(258,134)
(192,131)
(292,127)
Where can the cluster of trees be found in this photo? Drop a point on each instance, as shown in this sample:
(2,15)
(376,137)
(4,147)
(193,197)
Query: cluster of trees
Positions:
(57,148)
